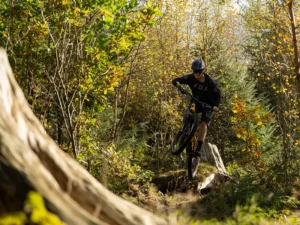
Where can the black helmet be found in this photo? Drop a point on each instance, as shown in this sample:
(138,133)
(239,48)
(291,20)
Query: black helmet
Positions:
(198,64)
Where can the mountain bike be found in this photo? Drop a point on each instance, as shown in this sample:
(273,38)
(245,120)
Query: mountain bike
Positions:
(186,136)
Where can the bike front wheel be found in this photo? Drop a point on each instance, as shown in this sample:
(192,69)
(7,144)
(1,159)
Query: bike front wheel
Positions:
(184,137)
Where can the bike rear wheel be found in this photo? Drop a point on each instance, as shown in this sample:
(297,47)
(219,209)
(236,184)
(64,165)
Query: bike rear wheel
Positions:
(184,137)
(192,162)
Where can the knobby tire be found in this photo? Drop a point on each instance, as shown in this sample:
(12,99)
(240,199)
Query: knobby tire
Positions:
(192,162)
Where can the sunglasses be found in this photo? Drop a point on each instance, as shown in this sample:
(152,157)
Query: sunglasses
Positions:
(198,71)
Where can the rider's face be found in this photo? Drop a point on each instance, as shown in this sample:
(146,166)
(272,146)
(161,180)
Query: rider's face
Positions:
(198,74)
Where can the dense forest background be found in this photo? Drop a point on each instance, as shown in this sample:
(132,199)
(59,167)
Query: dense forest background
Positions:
(98,76)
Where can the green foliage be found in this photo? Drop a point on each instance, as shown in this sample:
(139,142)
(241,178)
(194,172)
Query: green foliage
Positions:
(251,123)
(35,212)
(244,202)
(98,75)
(70,53)
(271,52)
(248,214)
(125,173)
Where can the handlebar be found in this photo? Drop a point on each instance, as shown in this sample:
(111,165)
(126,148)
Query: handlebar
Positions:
(183,91)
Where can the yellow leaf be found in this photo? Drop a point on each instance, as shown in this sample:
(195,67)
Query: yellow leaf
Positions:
(77,10)
(66,2)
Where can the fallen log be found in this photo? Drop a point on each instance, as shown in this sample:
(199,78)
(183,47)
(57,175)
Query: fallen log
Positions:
(26,149)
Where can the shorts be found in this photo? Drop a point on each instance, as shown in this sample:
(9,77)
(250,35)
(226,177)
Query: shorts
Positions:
(206,115)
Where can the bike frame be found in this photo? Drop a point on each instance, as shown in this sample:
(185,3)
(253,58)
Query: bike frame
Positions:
(188,108)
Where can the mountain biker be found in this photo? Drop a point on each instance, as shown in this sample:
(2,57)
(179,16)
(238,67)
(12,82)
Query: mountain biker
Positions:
(206,90)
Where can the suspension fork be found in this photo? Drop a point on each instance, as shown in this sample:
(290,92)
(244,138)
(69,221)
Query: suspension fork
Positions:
(186,115)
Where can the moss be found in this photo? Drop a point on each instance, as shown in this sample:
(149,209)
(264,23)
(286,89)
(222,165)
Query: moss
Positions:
(19,218)
(35,212)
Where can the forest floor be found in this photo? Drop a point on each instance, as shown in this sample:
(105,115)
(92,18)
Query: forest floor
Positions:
(184,201)
(181,206)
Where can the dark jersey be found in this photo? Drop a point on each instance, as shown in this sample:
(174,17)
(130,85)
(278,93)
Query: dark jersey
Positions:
(207,91)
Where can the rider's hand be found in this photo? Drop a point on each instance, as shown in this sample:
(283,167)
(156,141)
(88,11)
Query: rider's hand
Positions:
(178,85)
(181,90)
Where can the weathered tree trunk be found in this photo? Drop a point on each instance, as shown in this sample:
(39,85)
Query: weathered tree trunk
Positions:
(210,154)
(295,45)
(28,151)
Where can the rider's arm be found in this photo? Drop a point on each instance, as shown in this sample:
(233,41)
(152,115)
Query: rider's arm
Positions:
(180,80)
(216,96)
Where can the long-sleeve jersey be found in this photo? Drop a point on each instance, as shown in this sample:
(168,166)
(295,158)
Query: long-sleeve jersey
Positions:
(207,91)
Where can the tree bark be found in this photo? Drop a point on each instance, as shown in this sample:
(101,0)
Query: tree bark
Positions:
(295,45)
(210,154)
(26,148)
